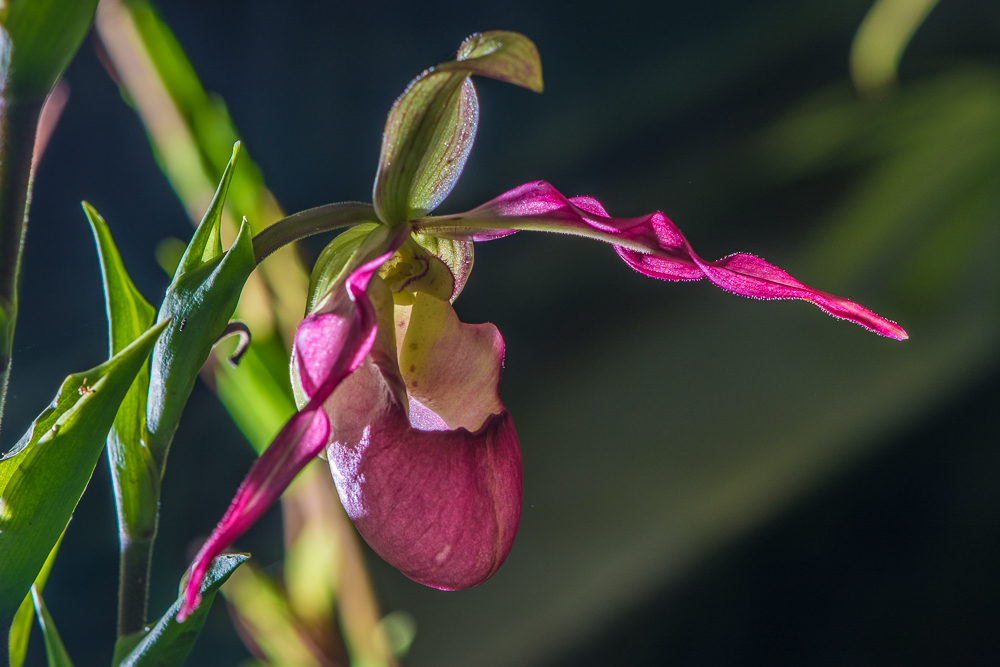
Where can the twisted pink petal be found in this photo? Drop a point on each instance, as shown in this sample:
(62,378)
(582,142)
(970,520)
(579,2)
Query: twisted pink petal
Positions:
(650,244)
(330,345)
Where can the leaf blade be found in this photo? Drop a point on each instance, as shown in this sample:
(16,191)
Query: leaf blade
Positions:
(134,474)
(20,629)
(129,314)
(43,477)
(200,303)
(40,40)
(55,652)
(168,643)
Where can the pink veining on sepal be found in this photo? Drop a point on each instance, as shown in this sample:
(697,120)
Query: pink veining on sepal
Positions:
(329,345)
(650,244)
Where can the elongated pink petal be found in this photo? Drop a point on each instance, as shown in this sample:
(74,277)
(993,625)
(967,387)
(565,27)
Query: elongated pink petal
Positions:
(650,244)
(329,346)
(440,505)
(301,439)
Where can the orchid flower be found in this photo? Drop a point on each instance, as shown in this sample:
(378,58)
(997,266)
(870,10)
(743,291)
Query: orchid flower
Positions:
(403,397)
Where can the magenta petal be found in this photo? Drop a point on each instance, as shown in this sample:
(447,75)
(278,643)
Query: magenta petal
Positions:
(301,439)
(753,277)
(441,506)
(332,342)
(468,489)
(329,346)
(651,244)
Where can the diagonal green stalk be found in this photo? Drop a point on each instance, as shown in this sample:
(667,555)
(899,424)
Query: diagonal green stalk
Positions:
(311,221)
(18,120)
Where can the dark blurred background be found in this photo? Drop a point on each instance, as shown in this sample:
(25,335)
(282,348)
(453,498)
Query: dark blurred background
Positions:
(708,480)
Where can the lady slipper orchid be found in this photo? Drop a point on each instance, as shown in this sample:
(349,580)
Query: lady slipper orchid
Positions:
(400,394)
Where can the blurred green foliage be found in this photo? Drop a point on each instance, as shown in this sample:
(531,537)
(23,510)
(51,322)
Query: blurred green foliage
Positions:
(924,202)
(38,38)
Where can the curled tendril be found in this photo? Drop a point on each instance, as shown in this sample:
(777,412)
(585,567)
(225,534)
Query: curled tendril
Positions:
(235,328)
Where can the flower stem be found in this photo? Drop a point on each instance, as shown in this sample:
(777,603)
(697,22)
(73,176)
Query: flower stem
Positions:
(133,585)
(18,120)
(309,222)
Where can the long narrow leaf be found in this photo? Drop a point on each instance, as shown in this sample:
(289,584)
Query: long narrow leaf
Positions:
(43,477)
(135,475)
(20,629)
(133,472)
(55,652)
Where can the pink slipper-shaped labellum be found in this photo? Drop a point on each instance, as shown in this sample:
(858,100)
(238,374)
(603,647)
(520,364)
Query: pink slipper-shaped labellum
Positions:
(329,345)
(650,244)
(424,455)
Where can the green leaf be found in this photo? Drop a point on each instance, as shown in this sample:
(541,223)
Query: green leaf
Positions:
(55,652)
(129,314)
(169,642)
(20,629)
(206,244)
(38,39)
(134,474)
(200,300)
(431,127)
(43,477)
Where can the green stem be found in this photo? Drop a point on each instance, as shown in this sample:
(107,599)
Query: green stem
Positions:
(137,502)
(309,222)
(133,585)
(18,122)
